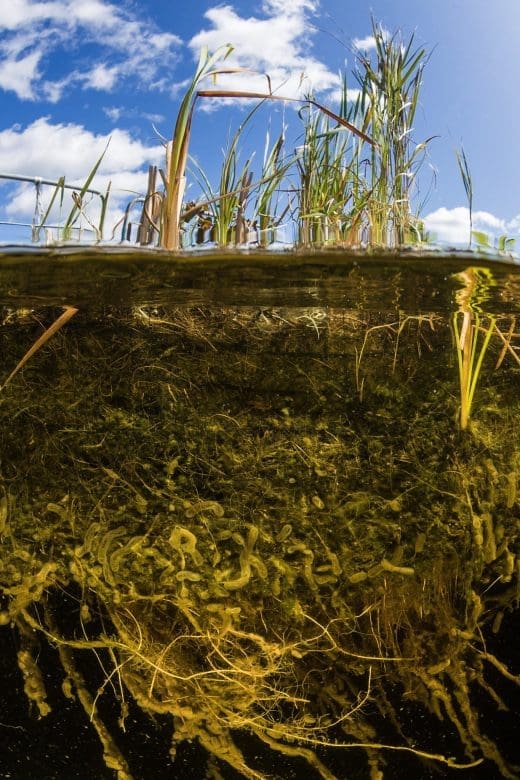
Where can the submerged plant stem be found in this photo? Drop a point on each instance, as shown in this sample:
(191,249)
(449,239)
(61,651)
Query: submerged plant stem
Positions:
(470,357)
(69,312)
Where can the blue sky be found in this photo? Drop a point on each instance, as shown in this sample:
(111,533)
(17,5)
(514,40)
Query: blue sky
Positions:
(74,73)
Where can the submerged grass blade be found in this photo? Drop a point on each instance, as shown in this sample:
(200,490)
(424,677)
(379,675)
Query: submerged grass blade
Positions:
(69,312)
(470,357)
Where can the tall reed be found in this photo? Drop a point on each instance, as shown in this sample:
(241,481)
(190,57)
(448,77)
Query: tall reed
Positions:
(351,192)
(229,212)
(467,181)
(266,215)
(177,149)
(226,206)
(331,194)
(390,90)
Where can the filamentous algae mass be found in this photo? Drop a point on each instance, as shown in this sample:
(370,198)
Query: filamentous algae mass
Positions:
(275,528)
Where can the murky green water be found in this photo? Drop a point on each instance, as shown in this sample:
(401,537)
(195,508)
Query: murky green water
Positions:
(274,499)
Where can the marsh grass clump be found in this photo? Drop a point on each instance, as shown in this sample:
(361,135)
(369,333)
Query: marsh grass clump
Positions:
(331,193)
(253,548)
(348,182)
(387,105)
(354,193)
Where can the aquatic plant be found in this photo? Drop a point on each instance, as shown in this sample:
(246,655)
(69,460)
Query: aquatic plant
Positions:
(331,194)
(224,214)
(470,355)
(390,90)
(471,352)
(252,551)
(267,214)
(275,175)
(78,209)
(467,181)
(225,209)
(336,200)
(502,245)
(69,311)
(177,149)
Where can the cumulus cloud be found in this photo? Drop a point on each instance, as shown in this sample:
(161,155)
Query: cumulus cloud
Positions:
(18,12)
(35,32)
(369,43)
(102,78)
(52,150)
(19,74)
(452,225)
(514,224)
(276,42)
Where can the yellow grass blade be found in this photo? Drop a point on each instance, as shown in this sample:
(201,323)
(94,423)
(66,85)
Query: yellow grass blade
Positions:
(69,312)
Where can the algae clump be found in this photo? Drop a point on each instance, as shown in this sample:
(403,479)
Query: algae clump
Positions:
(272,526)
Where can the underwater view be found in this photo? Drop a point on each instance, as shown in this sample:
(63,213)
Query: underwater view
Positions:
(259,514)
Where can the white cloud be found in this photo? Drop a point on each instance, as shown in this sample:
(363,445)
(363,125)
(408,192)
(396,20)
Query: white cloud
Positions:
(513,225)
(94,12)
(452,225)
(289,7)
(114,113)
(101,77)
(369,42)
(33,32)
(52,150)
(17,13)
(19,74)
(483,220)
(276,40)
(276,43)
(449,225)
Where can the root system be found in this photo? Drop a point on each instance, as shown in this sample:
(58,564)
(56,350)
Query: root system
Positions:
(272,524)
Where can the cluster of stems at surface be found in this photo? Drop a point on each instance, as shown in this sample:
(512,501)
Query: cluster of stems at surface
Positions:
(348,182)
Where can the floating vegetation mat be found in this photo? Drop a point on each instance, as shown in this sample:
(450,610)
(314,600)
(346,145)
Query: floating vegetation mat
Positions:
(272,528)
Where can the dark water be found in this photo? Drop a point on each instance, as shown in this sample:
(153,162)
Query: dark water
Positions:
(266,491)
(410,282)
